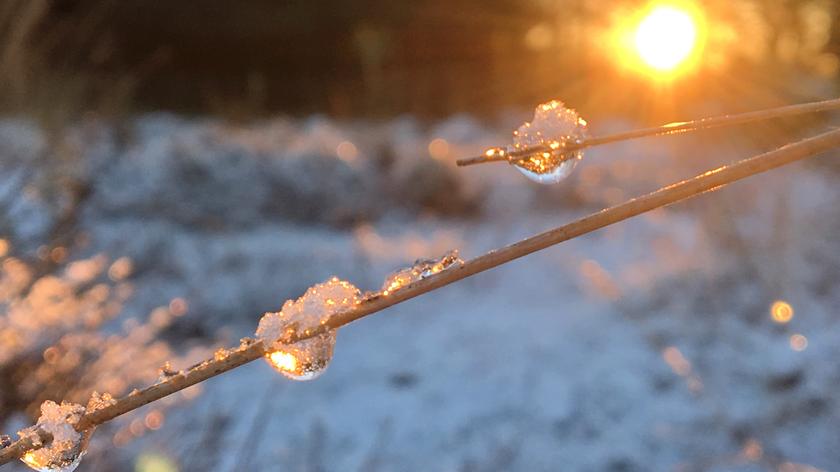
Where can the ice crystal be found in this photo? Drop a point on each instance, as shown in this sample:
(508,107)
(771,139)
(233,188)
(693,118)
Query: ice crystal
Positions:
(165,372)
(65,451)
(99,401)
(306,359)
(221,354)
(496,153)
(421,269)
(554,127)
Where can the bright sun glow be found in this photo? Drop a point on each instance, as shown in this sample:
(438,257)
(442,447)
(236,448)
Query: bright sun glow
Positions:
(666,37)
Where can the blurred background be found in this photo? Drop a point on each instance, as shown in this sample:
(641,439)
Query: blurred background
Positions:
(171,170)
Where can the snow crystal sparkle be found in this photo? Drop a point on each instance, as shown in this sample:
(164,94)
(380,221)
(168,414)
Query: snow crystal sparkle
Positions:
(65,451)
(99,401)
(309,358)
(421,269)
(554,126)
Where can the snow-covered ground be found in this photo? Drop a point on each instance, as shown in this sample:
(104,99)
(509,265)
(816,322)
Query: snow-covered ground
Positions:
(648,345)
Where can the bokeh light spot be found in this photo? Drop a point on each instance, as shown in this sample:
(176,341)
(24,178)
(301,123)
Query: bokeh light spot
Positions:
(798,342)
(347,151)
(150,462)
(781,311)
(439,148)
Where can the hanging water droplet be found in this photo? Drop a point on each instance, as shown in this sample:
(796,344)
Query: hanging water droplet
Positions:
(553,128)
(65,451)
(304,360)
(421,269)
(308,358)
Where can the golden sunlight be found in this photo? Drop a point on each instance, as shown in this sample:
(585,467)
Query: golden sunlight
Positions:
(661,40)
(284,361)
(666,37)
(32,461)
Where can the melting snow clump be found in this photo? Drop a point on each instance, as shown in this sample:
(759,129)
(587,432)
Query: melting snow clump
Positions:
(68,446)
(306,359)
(554,126)
(421,269)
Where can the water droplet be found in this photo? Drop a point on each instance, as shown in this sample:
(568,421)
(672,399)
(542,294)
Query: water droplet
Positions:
(421,269)
(65,451)
(308,358)
(554,126)
(304,360)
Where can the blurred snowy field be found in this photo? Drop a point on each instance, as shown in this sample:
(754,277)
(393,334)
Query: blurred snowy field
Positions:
(649,345)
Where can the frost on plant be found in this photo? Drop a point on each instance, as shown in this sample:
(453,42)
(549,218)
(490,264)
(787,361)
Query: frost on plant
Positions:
(554,126)
(306,359)
(166,372)
(421,269)
(221,354)
(99,401)
(65,451)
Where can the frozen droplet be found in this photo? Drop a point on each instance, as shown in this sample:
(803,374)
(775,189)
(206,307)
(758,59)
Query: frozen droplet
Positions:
(421,269)
(554,127)
(308,358)
(65,451)
(303,360)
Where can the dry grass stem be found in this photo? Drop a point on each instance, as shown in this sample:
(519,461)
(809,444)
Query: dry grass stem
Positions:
(676,192)
(671,128)
(18,448)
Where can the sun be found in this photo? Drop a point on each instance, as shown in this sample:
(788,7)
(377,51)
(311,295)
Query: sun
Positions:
(662,40)
(666,37)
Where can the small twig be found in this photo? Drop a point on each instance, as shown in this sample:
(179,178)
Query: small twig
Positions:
(671,128)
(705,182)
(18,448)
